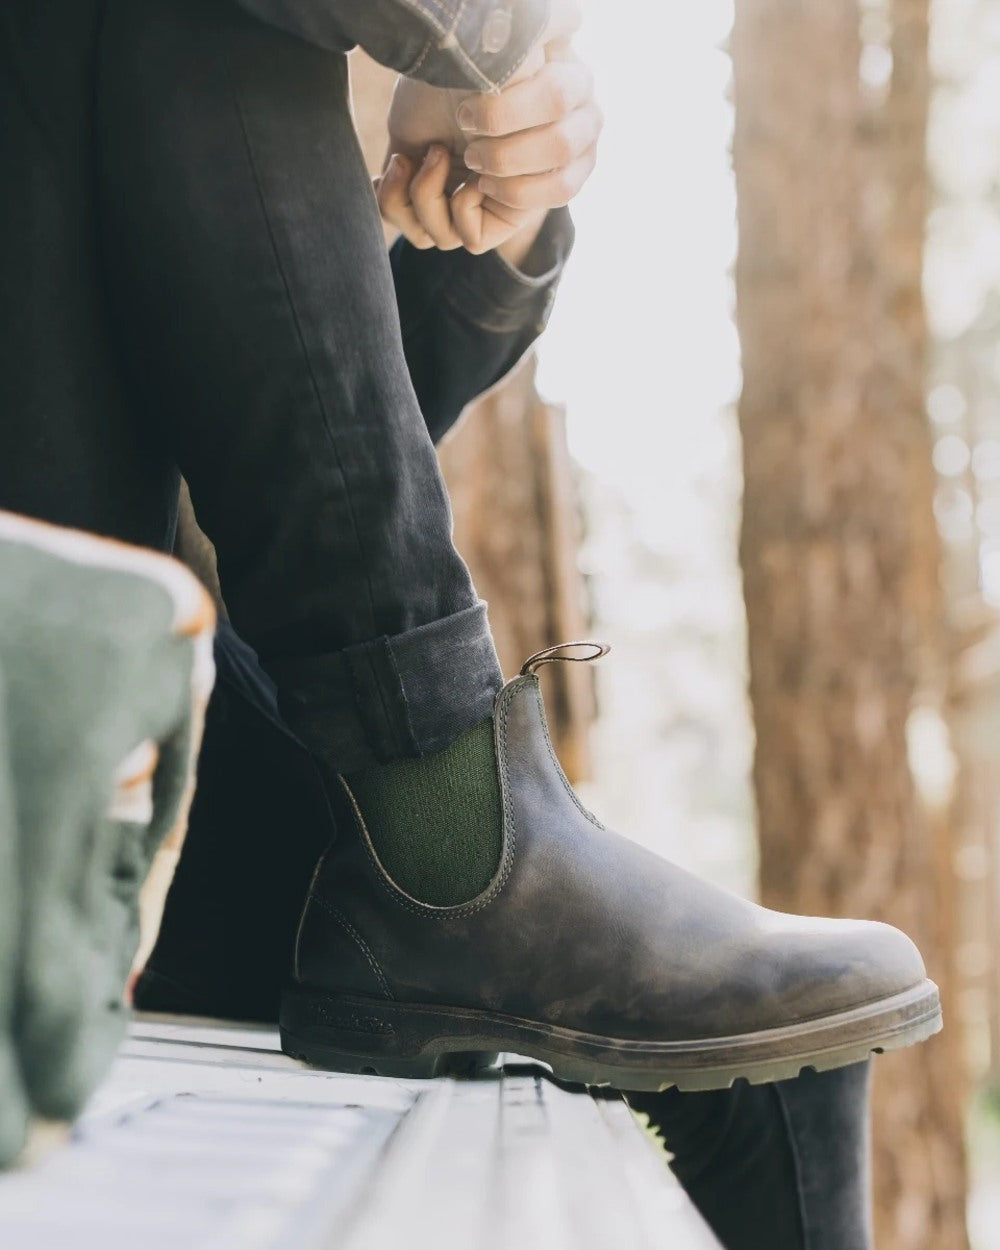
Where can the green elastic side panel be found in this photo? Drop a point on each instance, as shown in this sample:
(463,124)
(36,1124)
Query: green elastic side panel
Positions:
(437,823)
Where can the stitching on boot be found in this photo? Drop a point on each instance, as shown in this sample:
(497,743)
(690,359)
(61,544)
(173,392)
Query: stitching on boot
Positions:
(339,918)
(558,767)
(463,910)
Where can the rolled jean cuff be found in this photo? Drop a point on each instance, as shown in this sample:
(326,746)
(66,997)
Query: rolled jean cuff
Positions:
(392,698)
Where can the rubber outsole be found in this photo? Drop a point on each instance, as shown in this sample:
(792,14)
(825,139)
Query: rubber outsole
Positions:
(348,1033)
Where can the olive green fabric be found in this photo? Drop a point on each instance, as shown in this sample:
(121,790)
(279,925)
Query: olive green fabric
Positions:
(437,823)
(93,668)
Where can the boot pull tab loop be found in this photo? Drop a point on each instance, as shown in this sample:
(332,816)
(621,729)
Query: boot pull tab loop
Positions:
(560,654)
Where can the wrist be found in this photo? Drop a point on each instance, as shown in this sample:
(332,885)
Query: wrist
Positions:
(517,249)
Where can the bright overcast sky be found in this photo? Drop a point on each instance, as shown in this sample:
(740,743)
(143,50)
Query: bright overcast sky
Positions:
(641,347)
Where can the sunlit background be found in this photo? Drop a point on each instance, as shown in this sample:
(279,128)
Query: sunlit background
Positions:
(643,352)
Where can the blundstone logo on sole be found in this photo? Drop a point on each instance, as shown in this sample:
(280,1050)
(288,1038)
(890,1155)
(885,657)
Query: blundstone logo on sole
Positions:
(354,1022)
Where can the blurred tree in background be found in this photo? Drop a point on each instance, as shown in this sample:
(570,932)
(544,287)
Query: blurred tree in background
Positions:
(849,650)
(962,278)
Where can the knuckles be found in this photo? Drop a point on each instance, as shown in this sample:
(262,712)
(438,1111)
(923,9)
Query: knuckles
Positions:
(421,188)
(563,186)
(489,116)
(561,146)
(562,149)
(477,247)
(497,160)
(561,99)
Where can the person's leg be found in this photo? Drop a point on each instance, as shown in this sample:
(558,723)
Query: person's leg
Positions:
(259,823)
(774,1165)
(731,1151)
(829,1121)
(783,1165)
(256,306)
(468,902)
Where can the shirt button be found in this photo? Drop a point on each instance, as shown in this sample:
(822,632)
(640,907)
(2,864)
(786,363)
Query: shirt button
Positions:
(497,31)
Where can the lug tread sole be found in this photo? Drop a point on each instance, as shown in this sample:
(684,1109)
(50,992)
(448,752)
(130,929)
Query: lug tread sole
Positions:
(347,1033)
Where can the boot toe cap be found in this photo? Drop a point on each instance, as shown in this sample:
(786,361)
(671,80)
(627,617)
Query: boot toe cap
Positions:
(826,966)
(886,961)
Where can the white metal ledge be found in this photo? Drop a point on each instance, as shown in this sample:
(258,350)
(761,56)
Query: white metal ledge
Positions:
(208,1138)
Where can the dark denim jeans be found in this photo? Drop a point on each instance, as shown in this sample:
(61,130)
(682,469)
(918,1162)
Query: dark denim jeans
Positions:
(195,277)
(775,1167)
(256,306)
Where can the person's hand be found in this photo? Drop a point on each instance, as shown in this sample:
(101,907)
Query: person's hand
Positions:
(483,171)
(420,115)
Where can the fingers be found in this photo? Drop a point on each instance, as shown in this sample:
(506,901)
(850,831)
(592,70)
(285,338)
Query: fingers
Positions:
(422,206)
(467,214)
(539,150)
(430,200)
(417,204)
(483,224)
(533,146)
(549,96)
(392,191)
(530,192)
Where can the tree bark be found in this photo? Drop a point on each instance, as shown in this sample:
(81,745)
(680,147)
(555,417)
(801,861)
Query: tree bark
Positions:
(838,548)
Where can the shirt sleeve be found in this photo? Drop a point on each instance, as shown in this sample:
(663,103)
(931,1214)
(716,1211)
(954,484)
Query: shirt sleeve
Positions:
(477,44)
(467,320)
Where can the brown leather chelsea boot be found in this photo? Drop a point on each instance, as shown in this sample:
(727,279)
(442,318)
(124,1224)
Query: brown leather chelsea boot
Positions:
(585,952)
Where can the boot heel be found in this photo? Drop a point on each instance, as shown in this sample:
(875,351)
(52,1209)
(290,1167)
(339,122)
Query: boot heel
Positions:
(319,1056)
(364,1037)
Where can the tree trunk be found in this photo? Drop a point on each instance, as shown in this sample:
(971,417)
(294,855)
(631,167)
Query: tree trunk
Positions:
(839,553)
